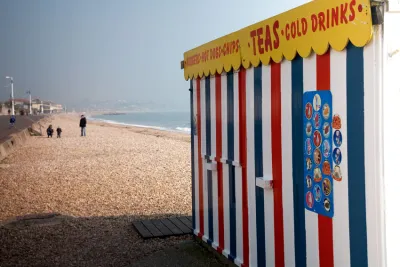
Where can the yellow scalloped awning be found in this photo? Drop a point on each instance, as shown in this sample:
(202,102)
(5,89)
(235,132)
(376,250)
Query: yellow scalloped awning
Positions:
(311,27)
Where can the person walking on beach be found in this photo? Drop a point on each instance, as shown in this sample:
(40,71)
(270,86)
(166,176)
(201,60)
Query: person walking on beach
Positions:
(50,131)
(82,124)
(59,132)
(12,121)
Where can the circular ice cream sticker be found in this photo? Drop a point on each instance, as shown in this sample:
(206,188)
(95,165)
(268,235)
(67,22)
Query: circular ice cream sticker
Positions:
(308,164)
(317,175)
(308,129)
(317,138)
(326,168)
(317,156)
(317,102)
(337,173)
(317,120)
(336,122)
(327,204)
(308,146)
(337,156)
(326,148)
(326,187)
(326,110)
(337,138)
(326,130)
(309,200)
(317,193)
(308,111)
(308,181)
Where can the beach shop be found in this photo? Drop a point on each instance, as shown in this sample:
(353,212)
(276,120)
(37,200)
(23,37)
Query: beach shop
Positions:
(291,120)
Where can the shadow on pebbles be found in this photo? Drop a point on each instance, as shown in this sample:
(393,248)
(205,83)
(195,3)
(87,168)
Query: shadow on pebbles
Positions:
(57,240)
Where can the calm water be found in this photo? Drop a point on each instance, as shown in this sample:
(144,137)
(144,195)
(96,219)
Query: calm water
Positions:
(171,121)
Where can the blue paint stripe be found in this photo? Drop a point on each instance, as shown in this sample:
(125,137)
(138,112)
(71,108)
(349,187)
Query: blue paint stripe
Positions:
(355,148)
(297,158)
(231,156)
(208,152)
(208,117)
(258,165)
(192,156)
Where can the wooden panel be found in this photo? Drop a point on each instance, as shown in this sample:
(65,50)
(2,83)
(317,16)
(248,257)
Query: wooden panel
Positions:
(153,230)
(171,227)
(163,229)
(142,230)
(180,225)
(186,222)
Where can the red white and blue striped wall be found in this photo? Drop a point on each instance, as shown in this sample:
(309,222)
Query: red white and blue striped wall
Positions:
(248,124)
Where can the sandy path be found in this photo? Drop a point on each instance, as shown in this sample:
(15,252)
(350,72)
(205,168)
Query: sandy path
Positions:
(112,171)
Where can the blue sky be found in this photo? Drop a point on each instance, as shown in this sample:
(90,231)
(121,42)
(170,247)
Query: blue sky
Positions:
(72,50)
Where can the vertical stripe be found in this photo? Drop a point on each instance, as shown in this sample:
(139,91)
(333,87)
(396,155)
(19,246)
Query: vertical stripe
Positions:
(267,166)
(341,245)
(243,161)
(297,159)
(214,177)
(258,165)
(203,101)
(373,132)
(311,218)
(192,157)
(356,150)
(218,142)
(231,150)
(225,167)
(196,159)
(238,173)
(325,228)
(287,162)
(251,183)
(208,153)
(199,158)
(276,136)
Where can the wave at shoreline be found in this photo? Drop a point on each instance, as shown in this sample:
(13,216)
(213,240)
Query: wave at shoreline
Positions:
(185,130)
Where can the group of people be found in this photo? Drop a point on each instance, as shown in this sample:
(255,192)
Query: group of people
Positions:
(82,125)
(50,131)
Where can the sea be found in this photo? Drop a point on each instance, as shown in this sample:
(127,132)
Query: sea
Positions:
(168,121)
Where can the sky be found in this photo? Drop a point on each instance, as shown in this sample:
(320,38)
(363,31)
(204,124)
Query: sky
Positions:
(73,51)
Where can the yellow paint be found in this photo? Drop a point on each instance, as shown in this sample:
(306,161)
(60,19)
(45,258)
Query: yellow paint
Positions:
(307,23)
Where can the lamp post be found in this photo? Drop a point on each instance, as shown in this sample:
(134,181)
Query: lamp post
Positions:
(30,102)
(12,94)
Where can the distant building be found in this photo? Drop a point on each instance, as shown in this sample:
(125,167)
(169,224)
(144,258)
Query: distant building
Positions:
(51,107)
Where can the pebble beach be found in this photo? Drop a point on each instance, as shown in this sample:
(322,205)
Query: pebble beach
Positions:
(99,184)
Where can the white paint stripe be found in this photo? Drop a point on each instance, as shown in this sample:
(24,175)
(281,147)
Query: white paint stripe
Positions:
(267,166)
(213,153)
(236,114)
(238,172)
(196,160)
(287,163)
(373,147)
(311,218)
(239,216)
(203,149)
(251,179)
(341,241)
(225,166)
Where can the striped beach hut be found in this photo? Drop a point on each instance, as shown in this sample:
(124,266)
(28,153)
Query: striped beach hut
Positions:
(286,148)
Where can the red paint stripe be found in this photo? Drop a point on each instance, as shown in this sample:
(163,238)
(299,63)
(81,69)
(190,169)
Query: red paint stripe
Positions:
(218,143)
(200,160)
(325,226)
(243,162)
(276,138)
